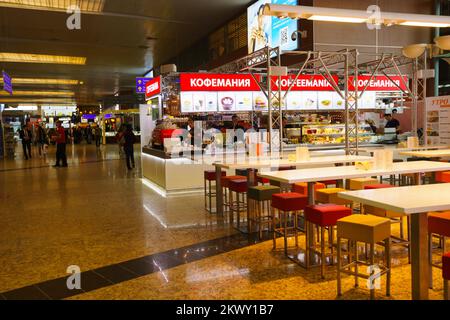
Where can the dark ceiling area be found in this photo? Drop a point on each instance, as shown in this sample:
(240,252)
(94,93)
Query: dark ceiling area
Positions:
(124,40)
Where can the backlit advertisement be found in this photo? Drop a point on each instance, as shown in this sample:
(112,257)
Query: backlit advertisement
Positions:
(270,31)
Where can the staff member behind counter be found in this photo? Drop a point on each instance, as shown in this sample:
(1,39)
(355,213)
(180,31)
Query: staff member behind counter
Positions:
(391,121)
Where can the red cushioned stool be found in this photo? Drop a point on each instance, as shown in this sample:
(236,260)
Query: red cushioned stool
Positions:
(209,177)
(438,227)
(324,216)
(446,273)
(289,206)
(378,186)
(328,183)
(443,177)
(239,187)
(225,182)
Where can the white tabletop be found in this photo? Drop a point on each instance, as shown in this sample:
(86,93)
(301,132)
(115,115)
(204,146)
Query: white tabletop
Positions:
(397,149)
(408,200)
(427,154)
(271,163)
(349,172)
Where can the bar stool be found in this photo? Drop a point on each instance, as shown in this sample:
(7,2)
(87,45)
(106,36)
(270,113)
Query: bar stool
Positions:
(395,217)
(209,177)
(446,274)
(259,202)
(239,187)
(263,181)
(329,183)
(443,177)
(302,187)
(225,181)
(368,230)
(392,177)
(330,195)
(438,225)
(361,183)
(324,216)
(287,204)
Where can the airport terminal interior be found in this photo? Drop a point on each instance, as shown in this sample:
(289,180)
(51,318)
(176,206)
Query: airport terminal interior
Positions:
(224,150)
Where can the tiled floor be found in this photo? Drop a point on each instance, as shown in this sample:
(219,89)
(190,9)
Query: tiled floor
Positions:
(130,243)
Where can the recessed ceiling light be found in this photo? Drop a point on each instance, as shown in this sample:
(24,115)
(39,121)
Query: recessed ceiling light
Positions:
(40,58)
(39,93)
(43,81)
(337,19)
(55,5)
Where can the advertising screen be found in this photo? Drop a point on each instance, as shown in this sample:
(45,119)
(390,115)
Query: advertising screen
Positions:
(269,31)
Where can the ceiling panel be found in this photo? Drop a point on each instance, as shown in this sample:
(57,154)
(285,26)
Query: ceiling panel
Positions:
(124,40)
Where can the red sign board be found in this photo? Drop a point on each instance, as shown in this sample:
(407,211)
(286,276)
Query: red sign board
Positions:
(304,83)
(153,87)
(380,83)
(217,82)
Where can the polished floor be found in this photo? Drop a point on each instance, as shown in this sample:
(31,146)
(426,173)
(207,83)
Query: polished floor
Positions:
(131,243)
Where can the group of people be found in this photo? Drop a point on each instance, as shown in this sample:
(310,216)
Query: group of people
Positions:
(37,137)
(89,134)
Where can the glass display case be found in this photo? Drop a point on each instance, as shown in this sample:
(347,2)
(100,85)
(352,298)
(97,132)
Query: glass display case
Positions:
(326,134)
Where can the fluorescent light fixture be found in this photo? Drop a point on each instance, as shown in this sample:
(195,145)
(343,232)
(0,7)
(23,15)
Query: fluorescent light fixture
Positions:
(40,58)
(59,101)
(43,81)
(337,19)
(355,16)
(55,5)
(23,108)
(425,24)
(39,93)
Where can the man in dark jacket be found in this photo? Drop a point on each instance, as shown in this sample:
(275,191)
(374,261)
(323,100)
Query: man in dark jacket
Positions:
(129,138)
(26,137)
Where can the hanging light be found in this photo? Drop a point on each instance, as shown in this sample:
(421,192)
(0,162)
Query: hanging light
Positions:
(443,42)
(414,50)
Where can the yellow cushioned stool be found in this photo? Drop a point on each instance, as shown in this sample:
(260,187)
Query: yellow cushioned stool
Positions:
(361,183)
(330,195)
(369,230)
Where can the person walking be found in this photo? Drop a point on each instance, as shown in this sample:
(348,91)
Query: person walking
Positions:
(128,147)
(41,139)
(60,139)
(98,136)
(26,137)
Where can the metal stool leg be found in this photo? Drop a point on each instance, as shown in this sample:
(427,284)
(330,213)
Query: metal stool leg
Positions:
(355,244)
(372,262)
(387,249)
(322,248)
(339,264)
(430,259)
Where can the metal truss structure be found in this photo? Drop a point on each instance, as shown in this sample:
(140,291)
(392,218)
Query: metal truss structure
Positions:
(345,65)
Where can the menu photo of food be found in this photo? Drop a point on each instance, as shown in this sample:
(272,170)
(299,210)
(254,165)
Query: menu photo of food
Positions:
(325,100)
(294,100)
(433,116)
(211,101)
(199,102)
(309,100)
(338,101)
(368,100)
(187,102)
(227,101)
(260,101)
(244,101)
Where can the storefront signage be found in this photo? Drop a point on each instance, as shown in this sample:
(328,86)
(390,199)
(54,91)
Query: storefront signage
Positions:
(270,31)
(438,120)
(381,83)
(153,87)
(217,82)
(304,83)
(7,83)
(140,84)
